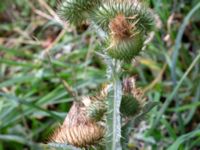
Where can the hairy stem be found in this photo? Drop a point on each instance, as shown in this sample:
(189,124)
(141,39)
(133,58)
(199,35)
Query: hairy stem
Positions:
(114,119)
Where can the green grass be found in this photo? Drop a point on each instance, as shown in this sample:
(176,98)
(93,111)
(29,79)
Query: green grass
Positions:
(33,100)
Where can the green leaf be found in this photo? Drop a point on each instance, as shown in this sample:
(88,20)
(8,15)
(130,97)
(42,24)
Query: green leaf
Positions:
(16,80)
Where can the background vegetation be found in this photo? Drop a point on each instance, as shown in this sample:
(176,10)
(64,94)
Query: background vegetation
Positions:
(37,51)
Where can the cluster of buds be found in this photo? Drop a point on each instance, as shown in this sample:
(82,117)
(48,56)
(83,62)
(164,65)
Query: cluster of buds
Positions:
(85,124)
(125,22)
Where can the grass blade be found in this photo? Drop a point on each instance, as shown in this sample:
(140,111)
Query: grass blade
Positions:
(183,138)
(179,38)
(170,98)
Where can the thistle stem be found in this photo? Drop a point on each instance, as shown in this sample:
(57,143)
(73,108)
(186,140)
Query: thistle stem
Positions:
(114,119)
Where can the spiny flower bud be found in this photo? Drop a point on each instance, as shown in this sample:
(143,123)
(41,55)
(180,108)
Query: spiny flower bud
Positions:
(96,106)
(77,11)
(133,99)
(127,24)
(125,41)
(96,110)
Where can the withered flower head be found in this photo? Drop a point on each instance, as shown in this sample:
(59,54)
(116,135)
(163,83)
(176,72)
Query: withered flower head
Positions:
(83,125)
(78,129)
(120,28)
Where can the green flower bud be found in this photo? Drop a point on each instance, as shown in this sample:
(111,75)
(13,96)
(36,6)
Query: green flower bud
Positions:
(96,110)
(130,106)
(133,99)
(77,11)
(96,106)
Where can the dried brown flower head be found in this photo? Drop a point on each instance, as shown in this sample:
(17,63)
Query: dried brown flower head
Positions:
(120,28)
(80,127)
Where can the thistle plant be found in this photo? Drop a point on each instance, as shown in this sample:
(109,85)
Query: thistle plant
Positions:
(98,120)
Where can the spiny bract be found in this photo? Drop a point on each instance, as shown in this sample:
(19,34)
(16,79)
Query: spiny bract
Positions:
(129,105)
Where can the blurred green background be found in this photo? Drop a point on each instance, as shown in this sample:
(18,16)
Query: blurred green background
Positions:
(37,51)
